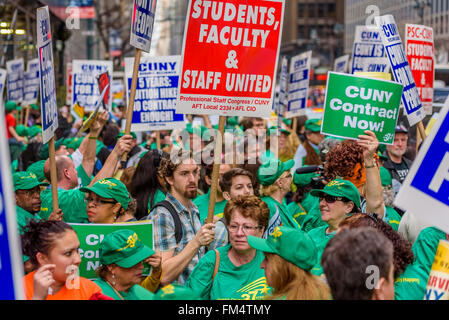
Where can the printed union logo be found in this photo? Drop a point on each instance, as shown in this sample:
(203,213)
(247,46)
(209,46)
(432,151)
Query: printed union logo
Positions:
(109,183)
(277,233)
(131,242)
(335,183)
(388,137)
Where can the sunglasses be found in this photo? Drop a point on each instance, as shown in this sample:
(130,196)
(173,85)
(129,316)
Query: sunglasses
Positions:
(331,199)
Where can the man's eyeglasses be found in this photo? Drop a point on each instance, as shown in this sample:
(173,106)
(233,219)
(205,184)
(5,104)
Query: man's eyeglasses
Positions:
(30,192)
(331,199)
(246,229)
(96,202)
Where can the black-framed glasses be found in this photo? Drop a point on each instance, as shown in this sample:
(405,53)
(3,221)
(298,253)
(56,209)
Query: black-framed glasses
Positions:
(98,201)
(30,192)
(331,199)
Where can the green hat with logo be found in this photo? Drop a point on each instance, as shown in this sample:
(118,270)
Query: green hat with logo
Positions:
(201,130)
(38,169)
(385,177)
(44,154)
(124,248)
(313,125)
(110,188)
(24,180)
(176,292)
(22,130)
(122,133)
(303,179)
(272,169)
(340,188)
(34,131)
(295,246)
(35,106)
(11,105)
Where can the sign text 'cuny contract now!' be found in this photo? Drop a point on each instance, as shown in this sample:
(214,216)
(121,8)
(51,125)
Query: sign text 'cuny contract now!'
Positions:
(230,56)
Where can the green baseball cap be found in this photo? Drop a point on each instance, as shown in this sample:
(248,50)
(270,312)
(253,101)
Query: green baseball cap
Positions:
(24,180)
(34,131)
(22,130)
(38,169)
(385,177)
(110,188)
(313,125)
(294,245)
(304,179)
(202,131)
(35,106)
(44,154)
(176,292)
(272,169)
(11,105)
(288,122)
(233,121)
(340,188)
(282,130)
(124,248)
(122,133)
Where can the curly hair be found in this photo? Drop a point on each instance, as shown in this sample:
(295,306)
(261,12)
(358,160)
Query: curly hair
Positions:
(341,160)
(249,207)
(402,254)
(169,162)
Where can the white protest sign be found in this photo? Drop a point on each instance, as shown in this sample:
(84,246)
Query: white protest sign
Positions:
(85,84)
(376,65)
(367,45)
(142,24)
(400,68)
(3,74)
(420,54)
(14,83)
(298,84)
(283,85)
(156,93)
(425,190)
(341,64)
(49,110)
(31,87)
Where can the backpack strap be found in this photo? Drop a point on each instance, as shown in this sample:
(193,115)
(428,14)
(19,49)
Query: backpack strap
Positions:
(177,221)
(217,263)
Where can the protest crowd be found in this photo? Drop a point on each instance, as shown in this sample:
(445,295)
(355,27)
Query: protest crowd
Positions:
(220,206)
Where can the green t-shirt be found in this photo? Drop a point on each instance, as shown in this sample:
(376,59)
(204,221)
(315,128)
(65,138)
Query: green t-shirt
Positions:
(426,246)
(85,179)
(321,238)
(313,219)
(392,218)
(136,292)
(246,282)
(309,201)
(23,217)
(411,285)
(202,202)
(279,215)
(71,202)
(297,212)
(158,197)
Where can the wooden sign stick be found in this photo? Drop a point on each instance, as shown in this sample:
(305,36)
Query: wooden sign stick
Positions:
(53,175)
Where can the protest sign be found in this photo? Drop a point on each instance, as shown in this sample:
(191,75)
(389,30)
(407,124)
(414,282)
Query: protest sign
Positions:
(156,93)
(104,84)
(298,84)
(142,24)
(236,46)
(427,183)
(341,64)
(354,104)
(420,54)
(367,46)
(283,86)
(68,84)
(93,115)
(375,65)
(85,89)
(14,85)
(92,234)
(118,91)
(3,74)
(401,68)
(377,75)
(438,282)
(31,85)
(11,263)
(49,110)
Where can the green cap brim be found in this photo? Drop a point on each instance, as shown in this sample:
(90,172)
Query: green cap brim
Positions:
(97,191)
(136,258)
(288,165)
(259,244)
(32,185)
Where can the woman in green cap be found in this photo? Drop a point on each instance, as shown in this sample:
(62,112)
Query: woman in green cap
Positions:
(290,254)
(275,178)
(106,200)
(233,271)
(121,257)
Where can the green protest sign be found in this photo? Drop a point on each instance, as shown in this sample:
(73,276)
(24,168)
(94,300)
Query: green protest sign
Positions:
(91,235)
(354,104)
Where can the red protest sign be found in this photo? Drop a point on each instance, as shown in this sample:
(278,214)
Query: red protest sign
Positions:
(230,56)
(104,83)
(420,54)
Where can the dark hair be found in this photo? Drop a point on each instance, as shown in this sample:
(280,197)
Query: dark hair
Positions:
(252,168)
(402,255)
(29,156)
(109,134)
(346,259)
(341,160)
(226,180)
(39,236)
(145,181)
